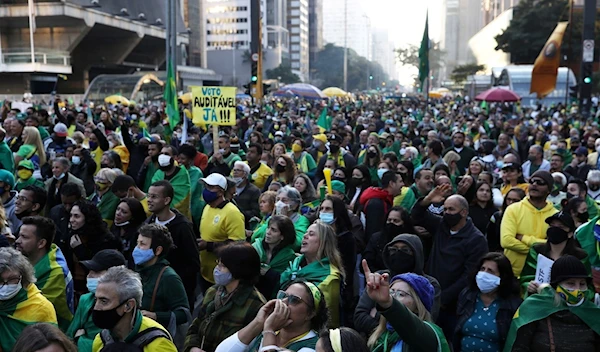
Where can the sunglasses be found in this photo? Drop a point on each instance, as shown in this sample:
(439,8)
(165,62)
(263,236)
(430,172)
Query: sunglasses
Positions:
(292,300)
(538,182)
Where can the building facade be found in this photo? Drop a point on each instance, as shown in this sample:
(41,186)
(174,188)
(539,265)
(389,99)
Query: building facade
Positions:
(297,25)
(315,28)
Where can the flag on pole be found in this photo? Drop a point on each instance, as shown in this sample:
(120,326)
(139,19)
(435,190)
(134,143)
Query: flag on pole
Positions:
(170,96)
(324,121)
(545,69)
(424,54)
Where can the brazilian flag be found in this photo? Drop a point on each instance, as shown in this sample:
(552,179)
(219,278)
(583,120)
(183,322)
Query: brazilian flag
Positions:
(55,281)
(170,96)
(28,307)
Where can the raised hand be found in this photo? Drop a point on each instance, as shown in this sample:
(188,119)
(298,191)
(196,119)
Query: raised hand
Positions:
(438,194)
(378,286)
(280,317)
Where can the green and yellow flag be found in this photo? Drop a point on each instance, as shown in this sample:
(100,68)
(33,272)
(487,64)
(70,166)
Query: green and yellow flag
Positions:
(324,121)
(170,96)
(55,281)
(28,307)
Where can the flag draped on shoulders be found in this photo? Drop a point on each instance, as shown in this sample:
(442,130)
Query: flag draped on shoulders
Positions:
(182,187)
(56,283)
(28,307)
(542,305)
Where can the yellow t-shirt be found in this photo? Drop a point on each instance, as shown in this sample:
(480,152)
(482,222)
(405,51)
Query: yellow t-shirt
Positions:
(159,344)
(97,156)
(259,178)
(219,225)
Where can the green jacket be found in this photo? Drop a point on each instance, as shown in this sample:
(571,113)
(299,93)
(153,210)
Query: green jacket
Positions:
(280,261)
(7,160)
(107,207)
(592,206)
(197,202)
(411,198)
(170,297)
(83,320)
(215,325)
(416,334)
(32,181)
(589,243)
(301,224)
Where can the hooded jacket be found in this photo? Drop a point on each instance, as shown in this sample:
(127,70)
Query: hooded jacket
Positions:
(9,209)
(524,219)
(363,322)
(376,203)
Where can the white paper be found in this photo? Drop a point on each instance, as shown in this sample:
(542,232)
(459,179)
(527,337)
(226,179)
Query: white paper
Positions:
(543,270)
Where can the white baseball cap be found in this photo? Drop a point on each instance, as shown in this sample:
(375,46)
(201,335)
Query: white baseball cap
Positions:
(215,179)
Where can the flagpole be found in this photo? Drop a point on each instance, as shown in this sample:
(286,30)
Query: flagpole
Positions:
(569,52)
(30,9)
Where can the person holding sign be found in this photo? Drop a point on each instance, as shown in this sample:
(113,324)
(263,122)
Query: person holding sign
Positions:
(541,257)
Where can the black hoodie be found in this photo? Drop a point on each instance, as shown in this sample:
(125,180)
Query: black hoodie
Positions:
(363,321)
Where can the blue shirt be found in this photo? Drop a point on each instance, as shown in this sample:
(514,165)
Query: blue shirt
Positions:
(480,331)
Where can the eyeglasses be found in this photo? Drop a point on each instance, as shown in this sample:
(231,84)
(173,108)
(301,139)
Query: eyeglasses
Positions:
(292,300)
(538,182)
(11,281)
(399,294)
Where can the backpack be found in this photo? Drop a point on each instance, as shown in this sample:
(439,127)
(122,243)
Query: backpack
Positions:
(141,340)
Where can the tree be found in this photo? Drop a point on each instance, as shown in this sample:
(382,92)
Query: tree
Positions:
(409,55)
(329,70)
(283,73)
(533,22)
(460,73)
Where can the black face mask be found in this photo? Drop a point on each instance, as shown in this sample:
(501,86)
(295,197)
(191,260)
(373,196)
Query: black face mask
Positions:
(556,235)
(594,188)
(583,217)
(371,155)
(106,319)
(401,262)
(452,219)
(355,182)
(570,195)
(104,166)
(392,230)
(279,168)
(336,178)
(334,148)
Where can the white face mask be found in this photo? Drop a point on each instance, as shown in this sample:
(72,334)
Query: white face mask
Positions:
(164,160)
(238,180)
(9,291)
(279,206)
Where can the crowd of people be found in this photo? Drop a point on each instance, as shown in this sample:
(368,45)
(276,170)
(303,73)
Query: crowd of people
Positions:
(365,224)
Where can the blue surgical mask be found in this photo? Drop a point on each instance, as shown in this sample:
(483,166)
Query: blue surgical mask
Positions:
(209,196)
(141,256)
(327,218)
(76,160)
(92,283)
(222,278)
(59,176)
(393,129)
(380,173)
(487,282)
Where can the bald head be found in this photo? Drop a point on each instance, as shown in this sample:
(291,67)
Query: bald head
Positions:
(458,203)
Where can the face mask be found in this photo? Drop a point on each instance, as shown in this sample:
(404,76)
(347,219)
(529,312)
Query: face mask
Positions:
(556,235)
(111,145)
(238,180)
(92,283)
(594,188)
(499,164)
(59,176)
(487,282)
(326,218)
(371,155)
(531,158)
(141,256)
(76,160)
(452,219)
(104,166)
(296,148)
(572,297)
(317,143)
(334,148)
(279,206)
(380,173)
(401,262)
(571,195)
(106,319)
(9,291)
(393,129)
(24,174)
(561,150)
(165,162)
(101,186)
(553,138)
(279,168)
(125,223)
(583,217)
(222,278)
(93,145)
(209,196)
(355,181)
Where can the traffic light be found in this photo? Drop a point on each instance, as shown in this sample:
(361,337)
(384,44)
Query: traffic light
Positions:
(371,77)
(587,72)
(266,88)
(574,92)
(254,72)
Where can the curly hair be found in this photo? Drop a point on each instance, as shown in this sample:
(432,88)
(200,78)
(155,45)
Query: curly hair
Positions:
(93,219)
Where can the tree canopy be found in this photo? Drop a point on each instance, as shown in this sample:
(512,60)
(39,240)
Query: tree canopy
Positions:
(284,73)
(460,73)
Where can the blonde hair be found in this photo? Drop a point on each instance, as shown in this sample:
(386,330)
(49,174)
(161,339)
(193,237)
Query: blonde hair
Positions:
(269,196)
(32,137)
(450,157)
(108,174)
(422,313)
(328,246)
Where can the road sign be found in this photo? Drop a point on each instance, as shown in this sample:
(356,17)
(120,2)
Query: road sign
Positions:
(214,105)
(588,50)
(255,57)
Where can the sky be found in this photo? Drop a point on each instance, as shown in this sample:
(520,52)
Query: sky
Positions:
(405,20)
